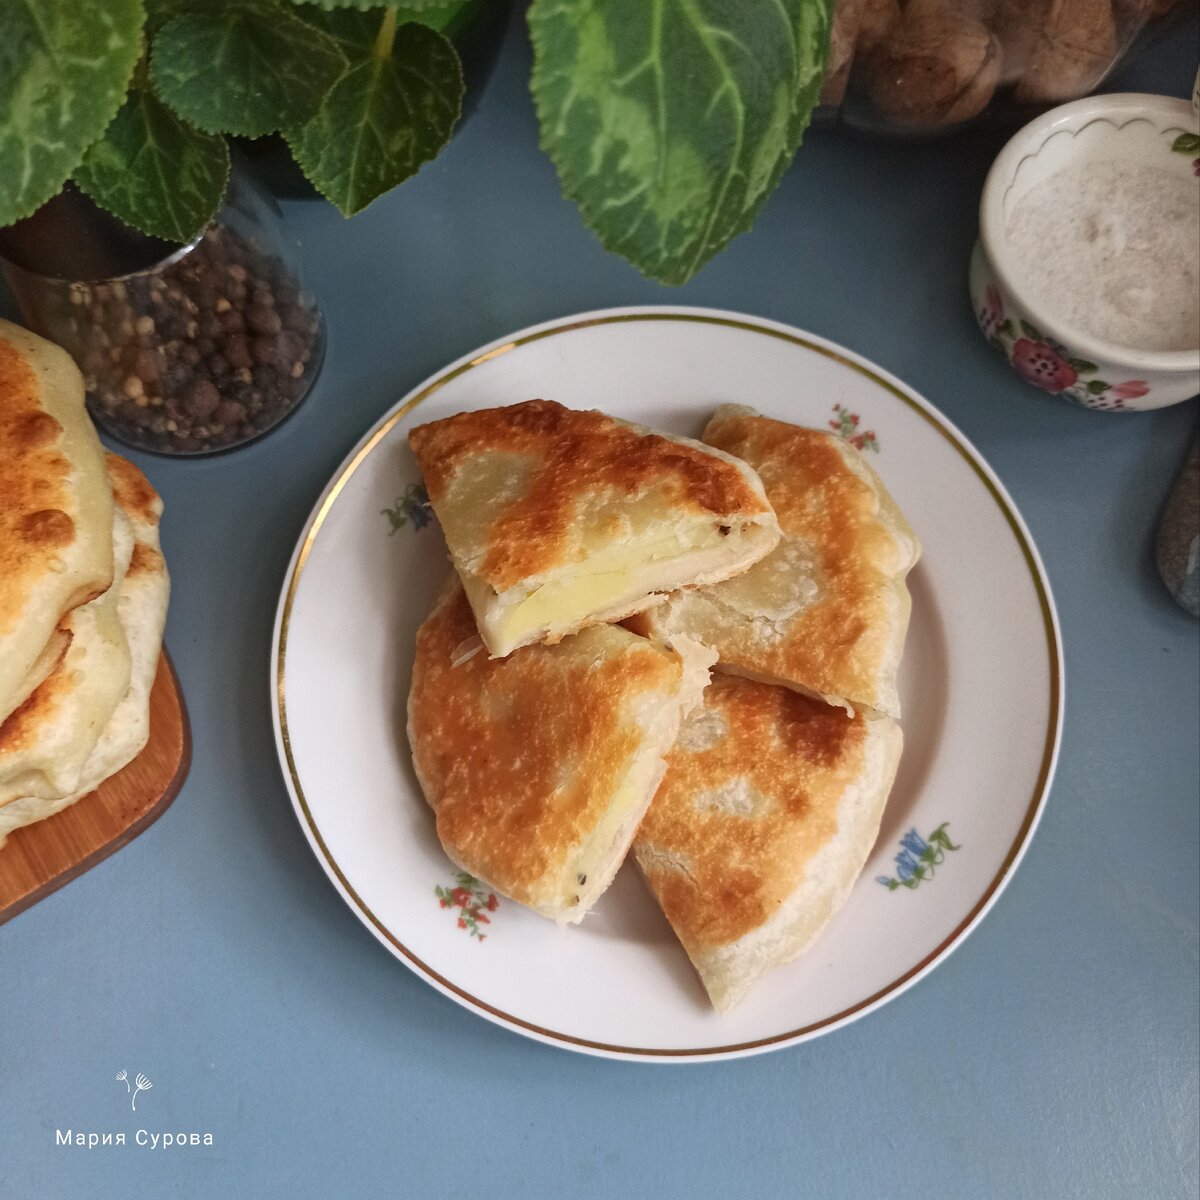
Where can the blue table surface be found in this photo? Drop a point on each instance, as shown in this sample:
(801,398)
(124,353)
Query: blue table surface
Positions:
(1053,1055)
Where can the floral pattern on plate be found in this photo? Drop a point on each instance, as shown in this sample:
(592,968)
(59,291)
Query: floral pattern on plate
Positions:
(845,425)
(473,902)
(411,508)
(918,858)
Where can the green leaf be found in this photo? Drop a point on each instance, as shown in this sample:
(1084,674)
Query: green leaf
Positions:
(154,172)
(671,123)
(354,32)
(437,16)
(1029,331)
(159,12)
(64,68)
(244,69)
(1186,143)
(1096,386)
(1082,366)
(402,14)
(392,111)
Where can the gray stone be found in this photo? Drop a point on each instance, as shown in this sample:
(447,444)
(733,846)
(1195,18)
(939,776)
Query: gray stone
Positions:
(1178,544)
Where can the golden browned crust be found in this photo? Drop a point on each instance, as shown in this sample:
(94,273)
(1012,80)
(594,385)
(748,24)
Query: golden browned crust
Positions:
(845,637)
(53,705)
(139,501)
(140,603)
(751,793)
(49,660)
(19,732)
(132,491)
(34,526)
(146,560)
(520,757)
(575,456)
(836,644)
(141,504)
(55,506)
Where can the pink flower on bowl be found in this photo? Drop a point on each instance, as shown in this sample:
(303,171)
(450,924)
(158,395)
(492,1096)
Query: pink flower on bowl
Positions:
(1132,390)
(991,312)
(1042,366)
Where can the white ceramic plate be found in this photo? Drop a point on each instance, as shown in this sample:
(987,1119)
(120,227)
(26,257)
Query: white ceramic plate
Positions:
(981,686)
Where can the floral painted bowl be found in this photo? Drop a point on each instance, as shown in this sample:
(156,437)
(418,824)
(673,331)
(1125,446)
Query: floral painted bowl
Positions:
(1040,346)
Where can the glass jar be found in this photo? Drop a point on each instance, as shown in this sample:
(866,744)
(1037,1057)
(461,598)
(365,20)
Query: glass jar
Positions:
(207,347)
(930,67)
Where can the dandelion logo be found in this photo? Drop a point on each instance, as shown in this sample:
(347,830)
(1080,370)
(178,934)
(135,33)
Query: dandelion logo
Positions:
(141,1084)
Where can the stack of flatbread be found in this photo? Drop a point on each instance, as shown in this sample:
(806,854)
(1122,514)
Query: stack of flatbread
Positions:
(738,728)
(83,590)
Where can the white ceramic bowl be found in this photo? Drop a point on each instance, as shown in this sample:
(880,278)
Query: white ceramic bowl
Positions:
(1041,347)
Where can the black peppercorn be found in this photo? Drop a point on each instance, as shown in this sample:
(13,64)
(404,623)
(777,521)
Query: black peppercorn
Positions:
(206,353)
(201,399)
(237,350)
(230,412)
(265,350)
(262,319)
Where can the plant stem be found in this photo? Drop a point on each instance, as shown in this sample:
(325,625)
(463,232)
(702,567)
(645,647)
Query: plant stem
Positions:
(141,69)
(386,35)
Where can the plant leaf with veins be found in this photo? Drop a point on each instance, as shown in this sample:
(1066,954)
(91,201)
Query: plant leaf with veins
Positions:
(154,171)
(159,12)
(248,69)
(366,5)
(436,16)
(671,121)
(64,68)
(392,111)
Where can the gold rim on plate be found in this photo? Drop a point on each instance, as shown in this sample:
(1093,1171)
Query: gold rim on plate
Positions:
(568,1040)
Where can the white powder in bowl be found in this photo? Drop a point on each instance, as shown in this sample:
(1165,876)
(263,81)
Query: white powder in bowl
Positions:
(1113,249)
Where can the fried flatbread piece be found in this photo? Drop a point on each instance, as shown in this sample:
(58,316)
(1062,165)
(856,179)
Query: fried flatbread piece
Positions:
(540,765)
(557,519)
(56,509)
(141,610)
(826,612)
(768,810)
(45,743)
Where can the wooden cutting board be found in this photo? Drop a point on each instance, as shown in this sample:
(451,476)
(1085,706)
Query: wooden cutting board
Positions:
(40,858)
